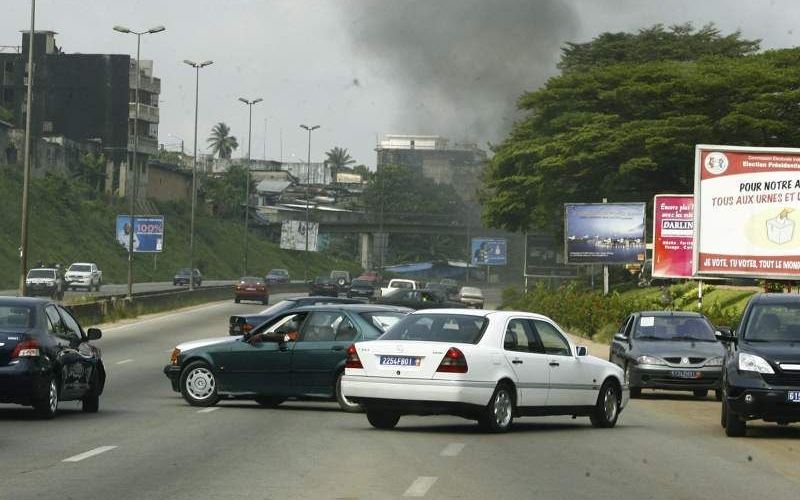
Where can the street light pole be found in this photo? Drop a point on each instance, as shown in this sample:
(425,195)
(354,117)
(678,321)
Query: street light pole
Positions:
(26,173)
(250,104)
(308,182)
(197,67)
(134,167)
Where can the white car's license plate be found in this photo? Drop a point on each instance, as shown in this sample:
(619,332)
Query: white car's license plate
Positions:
(793,397)
(400,360)
(689,374)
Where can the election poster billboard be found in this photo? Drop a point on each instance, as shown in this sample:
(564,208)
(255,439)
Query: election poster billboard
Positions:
(293,235)
(148,232)
(747,211)
(673,235)
(604,233)
(488,251)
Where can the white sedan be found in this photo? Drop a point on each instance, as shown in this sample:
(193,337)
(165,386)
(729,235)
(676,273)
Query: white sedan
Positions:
(489,366)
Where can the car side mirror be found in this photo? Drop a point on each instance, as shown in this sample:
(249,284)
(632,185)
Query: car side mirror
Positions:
(621,337)
(724,334)
(581,350)
(94,334)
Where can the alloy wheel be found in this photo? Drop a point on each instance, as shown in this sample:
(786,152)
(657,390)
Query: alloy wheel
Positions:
(200,383)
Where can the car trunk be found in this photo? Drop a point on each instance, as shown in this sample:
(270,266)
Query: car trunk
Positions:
(8,341)
(401,358)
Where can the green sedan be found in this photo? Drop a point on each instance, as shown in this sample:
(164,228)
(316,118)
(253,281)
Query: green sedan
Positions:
(300,353)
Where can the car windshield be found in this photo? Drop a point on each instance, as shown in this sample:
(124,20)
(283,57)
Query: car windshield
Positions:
(383,320)
(15,317)
(773,323)
(184,272)
(80,268)
(402,284)
(452,328)
(675,327)
(41,273)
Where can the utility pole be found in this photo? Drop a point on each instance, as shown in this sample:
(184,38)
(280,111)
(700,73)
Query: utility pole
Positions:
(250,104)
(308,181)
(26,174)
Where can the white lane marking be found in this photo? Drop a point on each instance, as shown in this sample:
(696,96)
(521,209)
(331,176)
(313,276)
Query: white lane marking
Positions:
(420,486)
(90,453)
(124,361)
(208,410)
(452,449)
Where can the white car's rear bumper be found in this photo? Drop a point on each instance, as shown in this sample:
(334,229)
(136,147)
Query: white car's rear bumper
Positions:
(447,391)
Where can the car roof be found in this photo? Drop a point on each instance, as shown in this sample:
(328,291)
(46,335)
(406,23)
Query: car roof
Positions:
(22,301)
(332,300)
(775,298)
(501,315)
(683,314)
(358,308)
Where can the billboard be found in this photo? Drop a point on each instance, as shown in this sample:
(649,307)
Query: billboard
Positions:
(604,233)
(293,235)
(148,235)
(542,258)
(746,211)
(673,235)
(488,251)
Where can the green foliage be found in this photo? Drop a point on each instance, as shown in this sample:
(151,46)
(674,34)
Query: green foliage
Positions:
(92,172)
(225,193)
(338,158)
(222,143)
(5,114)
(625,126)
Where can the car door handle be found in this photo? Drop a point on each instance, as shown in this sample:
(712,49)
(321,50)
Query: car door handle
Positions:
(554,363)
(517,361)
(337,348)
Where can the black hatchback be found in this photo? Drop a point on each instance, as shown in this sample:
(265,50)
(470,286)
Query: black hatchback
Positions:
(46,357)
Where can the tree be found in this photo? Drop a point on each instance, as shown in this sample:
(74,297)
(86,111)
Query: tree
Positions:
(226,192)
(626,128)
(338,158)
(222,143)
(92,171)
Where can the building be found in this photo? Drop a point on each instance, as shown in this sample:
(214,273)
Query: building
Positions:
(168,182)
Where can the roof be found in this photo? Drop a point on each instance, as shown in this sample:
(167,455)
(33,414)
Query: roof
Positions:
(272,186)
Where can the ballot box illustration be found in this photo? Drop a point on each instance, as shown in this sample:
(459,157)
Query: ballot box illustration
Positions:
(780,229)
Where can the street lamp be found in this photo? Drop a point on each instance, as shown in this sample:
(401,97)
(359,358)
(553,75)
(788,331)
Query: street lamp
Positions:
(308,181)
(250,104)
(135,170)
(197,67)
(26,173)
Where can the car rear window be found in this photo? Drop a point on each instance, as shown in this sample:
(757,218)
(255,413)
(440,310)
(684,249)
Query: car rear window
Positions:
(452,328)
(250,279)
(773,323)
(15,317)
(361,283)
(80,268)
(383,320)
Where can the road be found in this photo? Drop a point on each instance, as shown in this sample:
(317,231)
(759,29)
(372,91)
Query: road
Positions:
(114,289)
(147,443)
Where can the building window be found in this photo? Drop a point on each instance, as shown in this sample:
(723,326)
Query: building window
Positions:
(47,126)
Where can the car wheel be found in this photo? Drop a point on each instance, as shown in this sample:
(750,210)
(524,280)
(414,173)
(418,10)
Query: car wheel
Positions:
(383,419)
(734,425)
(700,393)
(344,403)
(199,385)
(91,402)
(269,401)
(47,405)
(237,300)
(718,394)
(606,411)
(723,414)
(499,413)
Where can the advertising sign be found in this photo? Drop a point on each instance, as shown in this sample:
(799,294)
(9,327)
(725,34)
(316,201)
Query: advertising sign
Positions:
(488,252)
(604,233)
(673,235)
(293,235)
(148,235)
(747,211)
(542,258)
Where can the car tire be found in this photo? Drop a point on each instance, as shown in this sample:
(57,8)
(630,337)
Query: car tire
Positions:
(199,384)
(91,402)
(635,392)
(383,419)
(723,414)
(718,394)
(237,300)
(734,425)
(606,410)
(265,301)
(345,404)
(498,415)
(47,406)
(700,393)
(269,401)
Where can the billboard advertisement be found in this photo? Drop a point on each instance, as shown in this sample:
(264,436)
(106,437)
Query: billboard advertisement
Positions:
(673,235)
(542,256)
(747,211)
(488,251)
(293,235)
(604,233)
(148,233)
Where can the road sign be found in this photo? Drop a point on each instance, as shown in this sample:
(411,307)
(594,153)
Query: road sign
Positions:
(148,235)
(488,251)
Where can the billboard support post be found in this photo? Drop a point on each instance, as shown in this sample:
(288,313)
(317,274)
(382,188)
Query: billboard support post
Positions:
(700,294)
(605,280)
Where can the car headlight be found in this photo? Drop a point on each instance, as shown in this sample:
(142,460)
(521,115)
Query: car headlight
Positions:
(752,363)
(173,359)
(650,360)
(714,361)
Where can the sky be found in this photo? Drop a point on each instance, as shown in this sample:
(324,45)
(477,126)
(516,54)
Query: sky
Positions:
(364,68)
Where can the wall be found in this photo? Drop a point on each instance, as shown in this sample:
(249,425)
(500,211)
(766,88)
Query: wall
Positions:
(168,183)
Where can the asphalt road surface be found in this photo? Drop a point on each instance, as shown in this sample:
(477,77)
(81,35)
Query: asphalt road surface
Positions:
(147,443)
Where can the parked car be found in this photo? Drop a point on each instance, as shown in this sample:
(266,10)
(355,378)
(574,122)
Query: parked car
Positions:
(83,274)
(243,323)
(251,288)
(44,281)
(183,276)
(471,296)
(46,357)
(277,276)
(342,279)
(671,350)
(362,288)
(417,299)
(323,286)
(761,374)
(300,353)
(489,366)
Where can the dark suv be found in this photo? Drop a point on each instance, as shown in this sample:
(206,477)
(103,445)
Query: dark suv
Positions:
(761,376)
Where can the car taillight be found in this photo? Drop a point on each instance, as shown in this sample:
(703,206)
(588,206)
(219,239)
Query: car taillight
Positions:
(173,358)
(26,349)
(453,362)
(353,361)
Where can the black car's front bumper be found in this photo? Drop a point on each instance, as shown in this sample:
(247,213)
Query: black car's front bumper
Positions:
(667,377)
(173,373)
(751,397)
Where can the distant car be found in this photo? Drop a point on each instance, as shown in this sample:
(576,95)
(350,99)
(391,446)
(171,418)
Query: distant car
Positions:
(362,288)
(183,276)
(452,286)
(243,323)
(83,274)
(300,353)
(672,350)
(44,281)
(251,288)
(46,357)
(277,276)
(439,288)
(323,286)
(471,296)
(417,299)
(342,279)
(489,366)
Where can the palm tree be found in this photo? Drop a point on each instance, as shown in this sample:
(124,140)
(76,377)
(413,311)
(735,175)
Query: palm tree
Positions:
(338,158)
(222,143)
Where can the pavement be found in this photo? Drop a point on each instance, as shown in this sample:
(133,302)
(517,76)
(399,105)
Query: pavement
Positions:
(146,442)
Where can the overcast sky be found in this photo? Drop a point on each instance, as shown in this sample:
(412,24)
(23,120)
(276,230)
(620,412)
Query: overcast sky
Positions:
(364,68)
